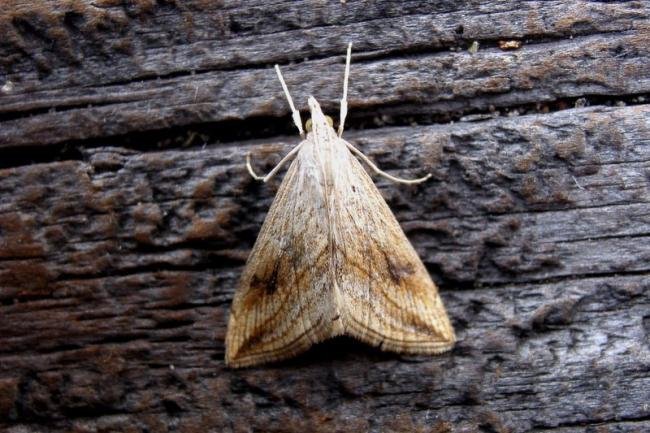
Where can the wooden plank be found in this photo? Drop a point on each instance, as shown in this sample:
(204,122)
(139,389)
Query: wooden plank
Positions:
(126,213)
(138,254)
(67,44)
(441,82)
(146,351)
(529,207)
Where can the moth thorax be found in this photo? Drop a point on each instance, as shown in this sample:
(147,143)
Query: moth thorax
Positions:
(328,119)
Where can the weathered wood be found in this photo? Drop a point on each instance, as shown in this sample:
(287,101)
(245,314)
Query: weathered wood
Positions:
(129,251)
(515,199)
(607,54)
(118,262)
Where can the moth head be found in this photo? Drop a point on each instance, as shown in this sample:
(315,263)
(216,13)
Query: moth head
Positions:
(317,116)
(328,119)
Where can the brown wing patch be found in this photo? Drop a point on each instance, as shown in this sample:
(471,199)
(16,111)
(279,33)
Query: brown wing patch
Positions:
(266,284)
(398,269)
(263,284)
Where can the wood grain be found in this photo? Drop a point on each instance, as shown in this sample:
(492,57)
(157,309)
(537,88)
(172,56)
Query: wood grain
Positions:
(126,213)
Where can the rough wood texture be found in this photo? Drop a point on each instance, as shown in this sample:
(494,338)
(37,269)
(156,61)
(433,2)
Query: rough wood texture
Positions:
(126,213)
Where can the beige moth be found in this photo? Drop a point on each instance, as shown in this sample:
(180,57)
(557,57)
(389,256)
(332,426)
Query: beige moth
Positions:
(331,259)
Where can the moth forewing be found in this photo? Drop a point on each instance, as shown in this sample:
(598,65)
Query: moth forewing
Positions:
(331,259)
(282,304)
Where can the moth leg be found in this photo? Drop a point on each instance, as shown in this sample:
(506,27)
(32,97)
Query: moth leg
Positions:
(380,171)
(295,114)
(275,169)
(344,99)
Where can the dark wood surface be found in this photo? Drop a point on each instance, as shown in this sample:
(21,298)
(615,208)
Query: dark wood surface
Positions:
(126,212)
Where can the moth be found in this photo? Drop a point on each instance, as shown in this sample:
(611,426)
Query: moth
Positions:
(331,259)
